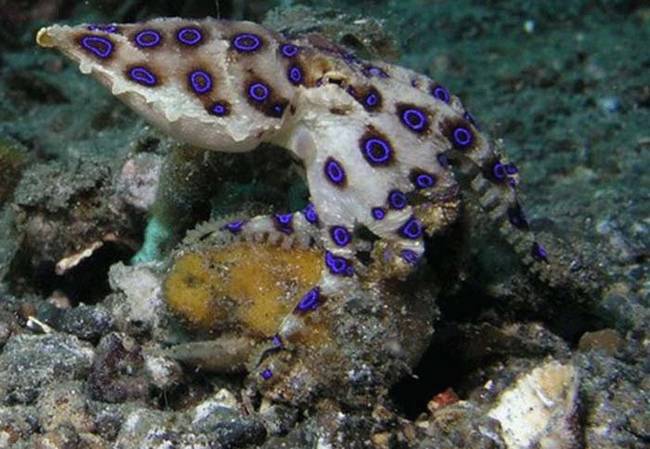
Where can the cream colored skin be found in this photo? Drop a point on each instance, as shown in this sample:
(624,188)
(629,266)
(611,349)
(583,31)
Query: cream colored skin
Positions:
(322,121)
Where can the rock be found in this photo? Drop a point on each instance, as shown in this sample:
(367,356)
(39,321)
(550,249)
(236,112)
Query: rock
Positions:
(117,374)
(607,340)
(30,362)
(618,402)
(146,429)
(278,419)
(461,425)
(86,322)
(163,372)
(16,423)
(140,306)
(539,409)
(63,405)
(137,181)
(220,418)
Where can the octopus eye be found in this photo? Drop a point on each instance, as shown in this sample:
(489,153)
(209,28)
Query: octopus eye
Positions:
(289,50)
(517,218)
(411,229)
(340,236)
(147,39)
(443,160)
(334,171)
(277,110)
(441,93)
(143,76)
(200,81)
(462,138)
(100,46)
(258,92)
(189,36)
(376,150)
(246,42)
(397,200)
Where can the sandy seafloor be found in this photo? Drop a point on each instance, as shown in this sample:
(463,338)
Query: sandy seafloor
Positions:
(565,85)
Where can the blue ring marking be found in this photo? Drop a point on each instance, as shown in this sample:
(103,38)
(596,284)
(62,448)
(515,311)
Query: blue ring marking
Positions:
(266,374)
(189,36)
(414,119)
(411,229)
(295,75)
(371,71)
(310,214)
(258,92)
(378,213)
(397,200)
(372,99)
(462,138)
(234,227)
(219,109)
(200,81)
(376,151)
(340,236)
(143,76)
(422,179)
(100,46)
(511,169)
(284,222)
(309,302)
(338,266)
(410,256)
(289,50)
(147,39)
(441,93)
(247,42)
(106,28)
(499,171)
(539,253)
(334,171)
(276,342)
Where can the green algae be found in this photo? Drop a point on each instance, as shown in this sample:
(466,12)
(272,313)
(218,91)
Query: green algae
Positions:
(13,159)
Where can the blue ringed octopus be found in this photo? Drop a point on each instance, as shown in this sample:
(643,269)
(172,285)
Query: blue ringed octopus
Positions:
(377,141)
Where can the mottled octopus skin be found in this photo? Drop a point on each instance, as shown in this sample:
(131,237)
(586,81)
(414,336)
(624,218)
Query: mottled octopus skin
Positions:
(371,136)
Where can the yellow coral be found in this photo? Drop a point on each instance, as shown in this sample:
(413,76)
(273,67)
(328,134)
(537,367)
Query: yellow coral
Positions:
(250,286)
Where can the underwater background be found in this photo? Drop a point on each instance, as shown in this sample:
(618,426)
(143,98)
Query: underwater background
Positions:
(88,339)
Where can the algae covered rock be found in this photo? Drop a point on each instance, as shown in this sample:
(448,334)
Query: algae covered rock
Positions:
(31,362)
